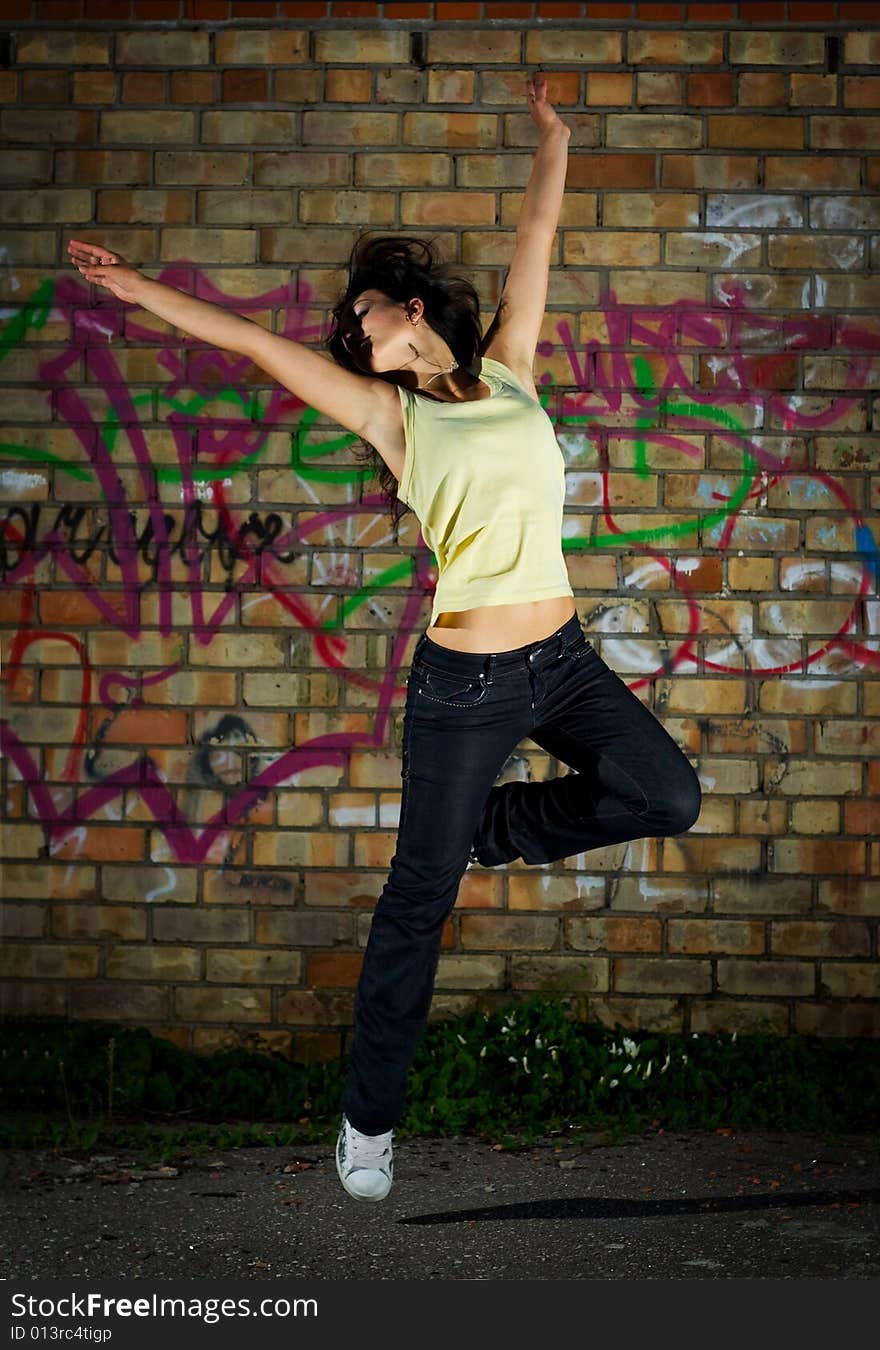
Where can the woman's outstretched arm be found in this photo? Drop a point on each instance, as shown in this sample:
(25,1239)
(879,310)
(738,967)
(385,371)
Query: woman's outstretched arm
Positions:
(514,332)
(354,401)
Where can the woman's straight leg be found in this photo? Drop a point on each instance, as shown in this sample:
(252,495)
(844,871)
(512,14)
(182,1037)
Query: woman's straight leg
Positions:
(458,731)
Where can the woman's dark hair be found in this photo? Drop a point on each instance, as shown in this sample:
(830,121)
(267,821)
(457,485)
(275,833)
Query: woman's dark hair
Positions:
(402,266)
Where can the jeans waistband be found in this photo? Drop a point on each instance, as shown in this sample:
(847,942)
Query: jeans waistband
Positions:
(533,655)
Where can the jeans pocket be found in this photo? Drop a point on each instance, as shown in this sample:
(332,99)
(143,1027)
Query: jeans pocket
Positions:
(444,686)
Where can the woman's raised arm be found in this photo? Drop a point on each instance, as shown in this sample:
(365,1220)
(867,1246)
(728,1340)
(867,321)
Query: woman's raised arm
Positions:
(354,401)
(514,332)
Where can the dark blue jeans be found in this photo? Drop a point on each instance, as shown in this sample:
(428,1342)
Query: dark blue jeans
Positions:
(465,713)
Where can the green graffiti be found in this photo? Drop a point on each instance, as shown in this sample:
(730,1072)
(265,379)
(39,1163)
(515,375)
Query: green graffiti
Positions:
(397,572)
(299,443)
(33,314)
(46,457)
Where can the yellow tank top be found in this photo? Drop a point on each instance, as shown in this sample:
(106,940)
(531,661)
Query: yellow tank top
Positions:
(486,479)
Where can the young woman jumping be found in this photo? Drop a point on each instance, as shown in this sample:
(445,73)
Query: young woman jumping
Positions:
(459,435)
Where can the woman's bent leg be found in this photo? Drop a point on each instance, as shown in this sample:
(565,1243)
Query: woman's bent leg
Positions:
(456,737)
(632,780)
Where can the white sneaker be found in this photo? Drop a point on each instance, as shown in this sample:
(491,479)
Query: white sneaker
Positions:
(364,1162)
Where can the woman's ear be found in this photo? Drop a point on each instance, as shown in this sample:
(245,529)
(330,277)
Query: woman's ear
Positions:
(415,309)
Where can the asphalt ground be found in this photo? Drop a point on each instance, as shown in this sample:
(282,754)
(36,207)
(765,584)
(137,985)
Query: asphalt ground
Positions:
(655,1206)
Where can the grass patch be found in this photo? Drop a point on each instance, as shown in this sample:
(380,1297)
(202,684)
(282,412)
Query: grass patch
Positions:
(534,1068)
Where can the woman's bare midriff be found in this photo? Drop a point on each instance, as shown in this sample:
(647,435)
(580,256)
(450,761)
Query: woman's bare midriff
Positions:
(501,628)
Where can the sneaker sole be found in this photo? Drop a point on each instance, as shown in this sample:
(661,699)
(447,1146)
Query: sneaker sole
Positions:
(354,1195)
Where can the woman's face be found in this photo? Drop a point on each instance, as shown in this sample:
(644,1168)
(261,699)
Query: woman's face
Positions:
(378,334)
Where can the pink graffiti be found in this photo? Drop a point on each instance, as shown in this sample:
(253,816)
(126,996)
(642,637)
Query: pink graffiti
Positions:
(603,388)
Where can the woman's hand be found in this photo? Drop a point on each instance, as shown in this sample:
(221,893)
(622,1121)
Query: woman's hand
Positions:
(543,113)
(105,269)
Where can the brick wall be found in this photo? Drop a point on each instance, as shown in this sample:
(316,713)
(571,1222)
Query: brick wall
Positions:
(206,623)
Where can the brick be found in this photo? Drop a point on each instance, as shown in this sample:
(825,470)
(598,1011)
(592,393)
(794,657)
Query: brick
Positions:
(415,170)
(508,932)
(303,930)
(239,650)
(661,975)
(624,934)
(762,894)
(791,979)
(127,923)
(296,86)
(265,127)
(657,130)
(692,853)
(46,86)
(300,848)
(624,171)
(710,91)
(158,125)
(253,206)
(47,881)
(861,91)
(227,1005)
(760,212)
(815,172)
(64,47)
(861,48)
(842,937)
(471,972)
(48,961)
(633,210)
(25,921)
(818,856)
(691,694)
(642,1014)
(607,248)
(767,133)
(852,1020)
(817,251)
(263,47)
(761,90)
(29,166)
(656,288)
(314,1007)
(709,250)
(822,697)
(172,923)
(687,48)
(452,130)
(705,937)
(445,208)
(554,892)
(149,963)
(145,86)
(125,1002)
(455,46)
(347,128)
(803,778)
(849,979)
(843,133)
(45,127)
(609,89)
(658,88)
(302,169)
(361,47)
(813,91)
(193,86)
(348,208)
(333,970)
(862,818)
(400,86)
(777,49)
(575,974)
(201,167)
(803,616)
(753,1018)
(150,206)
(815,817)
(560,46)
(34,1000)
(709,171)
(149,884)
(253,967)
